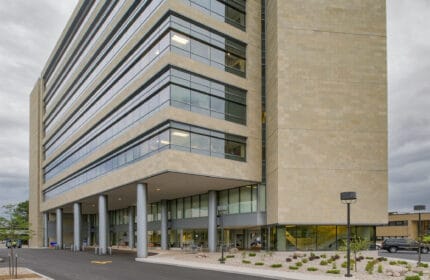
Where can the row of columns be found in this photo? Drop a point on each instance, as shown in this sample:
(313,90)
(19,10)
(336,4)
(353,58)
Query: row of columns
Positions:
(141,220)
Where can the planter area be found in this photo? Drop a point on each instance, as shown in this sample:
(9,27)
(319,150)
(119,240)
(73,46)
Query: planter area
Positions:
(369,265)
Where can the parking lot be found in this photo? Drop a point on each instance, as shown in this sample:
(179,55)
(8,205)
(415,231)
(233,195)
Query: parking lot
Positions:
(407,255)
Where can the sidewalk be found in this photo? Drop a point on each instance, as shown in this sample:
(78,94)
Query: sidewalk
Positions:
(266,273)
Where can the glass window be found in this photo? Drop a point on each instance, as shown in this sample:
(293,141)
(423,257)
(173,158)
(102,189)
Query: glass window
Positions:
(153,143)
(223,198)
(187,207)
(204,205)
(195,204)
(173,209)
(218,105)
(199,103)
(245,199)
(180,97)
(164,138)
(234,16)
(234,63)
(200,144)
(262,198)
(306,238)
(233,201)
(179,208)
(326,238)
(234,150)
(217,147)
(254,198)
(144,148)
(236,112)
(200,51)
(180,139)
(180,44)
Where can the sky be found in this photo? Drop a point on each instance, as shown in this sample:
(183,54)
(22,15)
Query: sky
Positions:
(29,31)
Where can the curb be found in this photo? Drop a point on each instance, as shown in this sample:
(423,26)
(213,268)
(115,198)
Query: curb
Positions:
(264,273)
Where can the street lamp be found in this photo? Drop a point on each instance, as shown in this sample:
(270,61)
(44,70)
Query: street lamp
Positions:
(419,208)
(222,209)
(348,198)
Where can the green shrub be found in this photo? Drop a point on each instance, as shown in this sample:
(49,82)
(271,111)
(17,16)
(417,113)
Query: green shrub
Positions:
(426,265)
(329,260)
(292,267)
(312,269)
(221,259)
(276,265)
(323,256)
(370,266)
(299,264)
(229,256)
(420,273)
(392,262)
(333,271)
(415,277)
(305,260)
(345,264)
(380,268)
(409,267)
(382,259)
(369,258)
(402,262)
(246,261)
(323,262)
(334,266)
(259,263)
(252,254)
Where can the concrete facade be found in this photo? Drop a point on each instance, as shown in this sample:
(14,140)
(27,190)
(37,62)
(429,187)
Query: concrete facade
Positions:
(325,117)
(326,110)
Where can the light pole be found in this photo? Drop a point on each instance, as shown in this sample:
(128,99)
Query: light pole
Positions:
(419,208)
(348,198)
(222,209)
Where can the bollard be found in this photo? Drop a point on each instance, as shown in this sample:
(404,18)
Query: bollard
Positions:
(110,251)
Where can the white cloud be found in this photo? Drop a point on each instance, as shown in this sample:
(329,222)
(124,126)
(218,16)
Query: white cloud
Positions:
(29,31)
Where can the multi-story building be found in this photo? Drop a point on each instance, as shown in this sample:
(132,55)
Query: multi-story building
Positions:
(404,225)
(151,118)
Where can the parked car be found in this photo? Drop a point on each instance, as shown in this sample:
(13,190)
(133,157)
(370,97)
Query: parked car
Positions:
(393,245)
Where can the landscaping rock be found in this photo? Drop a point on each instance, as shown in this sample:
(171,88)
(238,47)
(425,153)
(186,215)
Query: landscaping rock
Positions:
(395,271)
(233,250)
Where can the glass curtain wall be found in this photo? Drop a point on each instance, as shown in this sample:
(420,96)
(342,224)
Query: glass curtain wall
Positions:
(309,238)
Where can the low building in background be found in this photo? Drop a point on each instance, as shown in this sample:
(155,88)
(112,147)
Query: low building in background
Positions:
(149,116)
(404,225)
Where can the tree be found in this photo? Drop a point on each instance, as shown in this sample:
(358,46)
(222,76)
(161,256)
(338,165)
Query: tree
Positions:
(14,225)
(357,244)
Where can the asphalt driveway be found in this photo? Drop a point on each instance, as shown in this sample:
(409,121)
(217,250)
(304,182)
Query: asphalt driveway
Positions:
(67,265)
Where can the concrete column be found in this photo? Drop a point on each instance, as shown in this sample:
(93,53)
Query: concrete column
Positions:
(59,223)
(77,225)
(45,229)
(88,230)
(141,204)
(103,224)
(164,230)
(131,227)
(212,221)
(281,240)
(181,234)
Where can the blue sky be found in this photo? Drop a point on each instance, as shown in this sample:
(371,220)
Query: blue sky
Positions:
(30,29)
